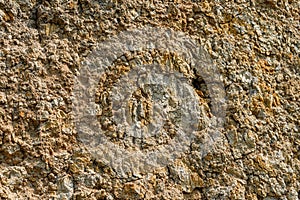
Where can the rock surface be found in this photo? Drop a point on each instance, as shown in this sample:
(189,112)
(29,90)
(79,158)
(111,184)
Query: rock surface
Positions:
(255,46)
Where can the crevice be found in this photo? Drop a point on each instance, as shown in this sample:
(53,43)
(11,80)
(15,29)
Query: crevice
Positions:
(35,17)
(80,10)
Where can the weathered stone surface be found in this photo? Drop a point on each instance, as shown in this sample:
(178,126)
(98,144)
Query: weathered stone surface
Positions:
(255,46)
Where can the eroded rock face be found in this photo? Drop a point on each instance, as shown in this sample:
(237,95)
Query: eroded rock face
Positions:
(255,46)
(185,177)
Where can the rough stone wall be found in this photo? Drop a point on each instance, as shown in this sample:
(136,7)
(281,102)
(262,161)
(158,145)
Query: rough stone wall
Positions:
(255,45)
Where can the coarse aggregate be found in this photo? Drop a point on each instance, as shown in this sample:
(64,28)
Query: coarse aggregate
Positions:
(255,44)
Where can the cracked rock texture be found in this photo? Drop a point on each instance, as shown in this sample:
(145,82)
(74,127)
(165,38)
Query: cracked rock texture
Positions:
(255,45)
